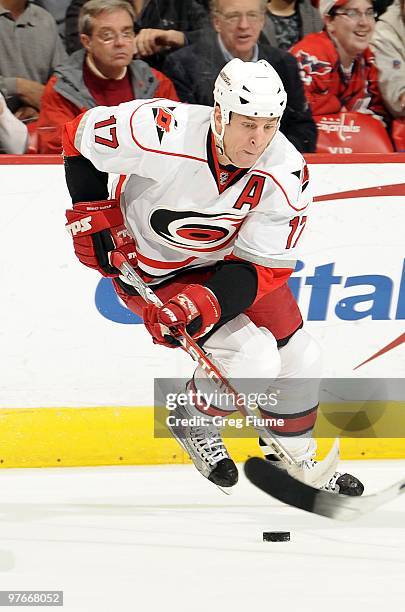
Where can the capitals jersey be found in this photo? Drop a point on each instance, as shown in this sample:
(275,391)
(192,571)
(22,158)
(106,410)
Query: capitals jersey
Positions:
(183,210)
(327,89)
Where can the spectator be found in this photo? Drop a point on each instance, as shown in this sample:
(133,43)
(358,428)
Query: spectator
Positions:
(30,50)
(166,25)
(57,8)
(337,65)
(162,25)
(287,21)
(237,26)
(103,73)
(13,132)
(389,47)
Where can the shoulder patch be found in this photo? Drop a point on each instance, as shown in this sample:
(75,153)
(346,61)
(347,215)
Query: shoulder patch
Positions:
(303,176)
(165,121)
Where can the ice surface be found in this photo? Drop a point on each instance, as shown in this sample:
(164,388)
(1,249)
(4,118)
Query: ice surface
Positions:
(120,539)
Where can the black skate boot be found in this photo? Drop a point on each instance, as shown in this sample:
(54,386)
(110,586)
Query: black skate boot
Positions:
(343,484)
(205,447)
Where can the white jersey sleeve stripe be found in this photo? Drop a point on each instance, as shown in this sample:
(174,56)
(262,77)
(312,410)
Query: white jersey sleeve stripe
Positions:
(268,262)
(80,131)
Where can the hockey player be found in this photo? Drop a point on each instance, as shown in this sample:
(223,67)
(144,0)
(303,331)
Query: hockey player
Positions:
(210,206)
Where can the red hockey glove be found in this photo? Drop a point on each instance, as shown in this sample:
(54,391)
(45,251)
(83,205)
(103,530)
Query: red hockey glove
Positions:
(97,229)
(195,308)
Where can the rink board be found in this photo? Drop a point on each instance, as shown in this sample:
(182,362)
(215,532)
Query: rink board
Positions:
(56,437)
(58,317)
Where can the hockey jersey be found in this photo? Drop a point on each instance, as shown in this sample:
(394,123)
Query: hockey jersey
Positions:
(184,210)
(327,89)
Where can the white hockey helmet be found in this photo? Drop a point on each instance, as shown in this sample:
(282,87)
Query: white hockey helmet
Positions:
(248,88)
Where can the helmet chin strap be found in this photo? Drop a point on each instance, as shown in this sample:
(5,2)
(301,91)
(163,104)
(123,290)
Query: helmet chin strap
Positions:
(219,137)
(220,147)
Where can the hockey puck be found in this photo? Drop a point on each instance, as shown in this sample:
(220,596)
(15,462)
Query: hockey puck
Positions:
(276,536)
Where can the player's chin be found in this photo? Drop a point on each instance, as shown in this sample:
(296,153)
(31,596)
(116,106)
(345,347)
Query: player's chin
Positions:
(247,160)
(243,164)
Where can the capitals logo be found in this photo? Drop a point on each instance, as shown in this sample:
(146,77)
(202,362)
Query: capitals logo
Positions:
(309,65)
(195,231)
(164,120)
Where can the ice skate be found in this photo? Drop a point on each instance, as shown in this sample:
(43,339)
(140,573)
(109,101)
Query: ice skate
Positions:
(343,484)
(204,444)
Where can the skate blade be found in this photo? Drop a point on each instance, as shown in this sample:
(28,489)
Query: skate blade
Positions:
(226,490)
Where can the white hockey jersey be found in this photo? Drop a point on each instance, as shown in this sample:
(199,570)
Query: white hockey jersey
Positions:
(184,211)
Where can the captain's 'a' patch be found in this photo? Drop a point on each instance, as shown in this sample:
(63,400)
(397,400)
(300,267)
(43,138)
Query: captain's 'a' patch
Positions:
(164,120)
(303,176)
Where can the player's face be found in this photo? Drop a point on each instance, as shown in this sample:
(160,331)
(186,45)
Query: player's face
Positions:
(352,27)
(239,23)
(111,43)
(246,138)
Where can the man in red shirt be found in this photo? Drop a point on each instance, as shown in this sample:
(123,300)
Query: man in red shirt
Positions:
(101,74)
(337,64)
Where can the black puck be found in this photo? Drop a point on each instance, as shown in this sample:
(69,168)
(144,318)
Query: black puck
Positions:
(276,536)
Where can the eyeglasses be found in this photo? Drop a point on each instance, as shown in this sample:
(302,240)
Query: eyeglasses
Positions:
(109,37)
(355,15)
(234,18)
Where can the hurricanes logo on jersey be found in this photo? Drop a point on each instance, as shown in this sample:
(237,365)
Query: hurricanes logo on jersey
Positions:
(195,231)
(164,120)
(309,65)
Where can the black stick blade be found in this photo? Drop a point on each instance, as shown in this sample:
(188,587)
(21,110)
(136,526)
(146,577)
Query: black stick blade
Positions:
(280,485)
(277,483)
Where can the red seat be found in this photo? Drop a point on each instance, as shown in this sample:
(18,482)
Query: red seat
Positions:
(38,137)
(398,133)
(351,133)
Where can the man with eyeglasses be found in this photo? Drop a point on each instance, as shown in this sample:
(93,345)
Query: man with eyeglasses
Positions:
(103,73)
(337,64)
(161,27)
(235,34)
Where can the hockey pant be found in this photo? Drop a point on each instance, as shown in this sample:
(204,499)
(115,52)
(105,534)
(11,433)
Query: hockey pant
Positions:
(266,355)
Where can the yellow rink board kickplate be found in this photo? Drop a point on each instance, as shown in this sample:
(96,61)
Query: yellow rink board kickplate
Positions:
(56,437)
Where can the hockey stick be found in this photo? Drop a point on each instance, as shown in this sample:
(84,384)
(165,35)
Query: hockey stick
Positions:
(280,485)
(319,474)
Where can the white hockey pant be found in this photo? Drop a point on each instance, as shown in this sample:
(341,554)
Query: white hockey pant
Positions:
(249,358)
